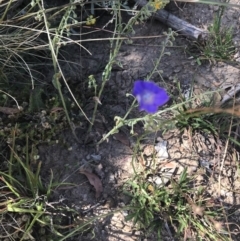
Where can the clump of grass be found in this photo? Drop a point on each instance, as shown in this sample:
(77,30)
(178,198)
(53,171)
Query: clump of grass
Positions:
(202,123)
(180,209)
(196,122)
(219,44)
(26,210)
(23,196)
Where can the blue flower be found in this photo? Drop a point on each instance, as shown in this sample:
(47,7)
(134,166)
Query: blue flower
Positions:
(149,95)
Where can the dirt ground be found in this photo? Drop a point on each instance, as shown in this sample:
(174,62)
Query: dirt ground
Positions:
(111,161)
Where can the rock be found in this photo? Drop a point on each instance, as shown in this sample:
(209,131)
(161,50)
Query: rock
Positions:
(127,229)
(96,157)
(161,149)
(163,180)
(205,163)
(112,178)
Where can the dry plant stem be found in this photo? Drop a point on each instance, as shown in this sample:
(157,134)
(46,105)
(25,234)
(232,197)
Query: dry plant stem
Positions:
(222,164)
(15,53)
(235,111)
(225,151)
(57,66)
(211,3)
(12,153)
(68,40)
(227,223)
(6,10)
(56,77)
(49,31)
(12,98)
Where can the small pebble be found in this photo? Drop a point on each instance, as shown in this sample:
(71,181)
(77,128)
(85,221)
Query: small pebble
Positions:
(96,157)
(161,149)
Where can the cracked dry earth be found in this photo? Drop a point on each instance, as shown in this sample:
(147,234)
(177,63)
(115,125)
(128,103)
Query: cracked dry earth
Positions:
(210,159)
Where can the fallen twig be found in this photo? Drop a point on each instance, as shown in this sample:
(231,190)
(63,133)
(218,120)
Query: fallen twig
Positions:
(176,23)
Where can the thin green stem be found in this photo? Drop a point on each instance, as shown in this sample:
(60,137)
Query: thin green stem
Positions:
(170,36)
(119,124)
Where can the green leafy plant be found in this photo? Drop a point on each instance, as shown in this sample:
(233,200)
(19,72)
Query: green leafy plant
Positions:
(26,210)
(219,43)
(196,122)
(179,207)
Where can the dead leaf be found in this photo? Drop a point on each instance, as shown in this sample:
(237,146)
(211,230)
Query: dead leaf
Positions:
(9,111)
(168,165)
(94,180)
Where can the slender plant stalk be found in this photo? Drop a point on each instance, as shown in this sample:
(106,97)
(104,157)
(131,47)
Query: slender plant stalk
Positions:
(168,41)
(119,31)
(58,73)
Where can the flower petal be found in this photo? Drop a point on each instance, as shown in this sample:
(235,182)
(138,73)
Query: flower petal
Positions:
(139,87)
(161,97)
(149,95)
(151,109)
